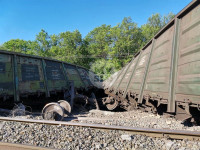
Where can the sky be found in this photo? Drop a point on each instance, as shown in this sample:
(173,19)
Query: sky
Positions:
(24,19)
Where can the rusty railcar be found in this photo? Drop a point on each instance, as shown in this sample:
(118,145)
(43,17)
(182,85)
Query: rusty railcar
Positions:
(34,79)
(73,74)
(165,73)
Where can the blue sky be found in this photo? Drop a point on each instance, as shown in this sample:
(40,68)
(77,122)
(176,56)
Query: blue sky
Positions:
(23,19)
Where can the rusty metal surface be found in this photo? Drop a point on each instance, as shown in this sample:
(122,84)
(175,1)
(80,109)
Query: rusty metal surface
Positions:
(66,106)
(14,146)
(175,134)
(53,111)
(188,73)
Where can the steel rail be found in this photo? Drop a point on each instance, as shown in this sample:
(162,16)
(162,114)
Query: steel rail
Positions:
(14,146)
(162,133)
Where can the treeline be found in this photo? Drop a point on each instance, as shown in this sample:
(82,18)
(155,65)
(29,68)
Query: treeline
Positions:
(104,50)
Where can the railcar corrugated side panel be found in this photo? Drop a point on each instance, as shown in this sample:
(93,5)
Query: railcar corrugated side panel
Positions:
(127,76)
(119,78)
(138,76)
(158,75)
(188,76)
(110,81)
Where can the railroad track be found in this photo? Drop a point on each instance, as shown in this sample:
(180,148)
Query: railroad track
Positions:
(161,133)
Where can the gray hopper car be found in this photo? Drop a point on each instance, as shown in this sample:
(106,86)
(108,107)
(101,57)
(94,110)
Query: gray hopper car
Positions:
(165,75)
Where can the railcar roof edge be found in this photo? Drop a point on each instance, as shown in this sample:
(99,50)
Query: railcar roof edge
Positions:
(39,57)
(178,15)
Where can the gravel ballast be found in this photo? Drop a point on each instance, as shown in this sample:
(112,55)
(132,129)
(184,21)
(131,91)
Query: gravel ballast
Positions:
(137,118)
(70,137)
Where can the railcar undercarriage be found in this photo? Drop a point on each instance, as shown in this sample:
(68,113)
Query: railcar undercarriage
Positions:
(184,111)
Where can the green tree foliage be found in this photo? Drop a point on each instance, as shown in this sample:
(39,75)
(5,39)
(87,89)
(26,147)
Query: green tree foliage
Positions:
(43,40)
(104,50)
(126,39)
(70,44)
(22,46)
(99,40)
(103,68)
(115,44)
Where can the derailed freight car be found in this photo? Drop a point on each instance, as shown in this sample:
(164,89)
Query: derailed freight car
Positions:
(36,80)
(165,75)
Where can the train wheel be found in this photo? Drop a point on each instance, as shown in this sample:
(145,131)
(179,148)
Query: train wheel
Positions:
(66,106)
(112,105)
(53,111)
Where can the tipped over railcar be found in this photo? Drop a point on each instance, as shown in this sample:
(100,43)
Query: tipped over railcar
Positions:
(165,75)
(35,80)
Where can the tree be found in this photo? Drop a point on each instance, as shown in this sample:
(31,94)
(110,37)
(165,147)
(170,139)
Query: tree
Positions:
(69,46)
(43,40)
(126,39)
(115,44)
(22,46)
(99,40)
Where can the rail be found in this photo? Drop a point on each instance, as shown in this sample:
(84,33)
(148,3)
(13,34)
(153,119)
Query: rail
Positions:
(12,146)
